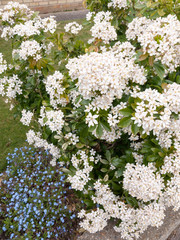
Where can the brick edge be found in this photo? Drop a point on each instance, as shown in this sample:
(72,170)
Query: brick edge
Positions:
(58,7)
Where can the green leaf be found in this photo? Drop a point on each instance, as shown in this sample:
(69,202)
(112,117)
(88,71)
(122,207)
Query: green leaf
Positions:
(104,161)
(153,140)
(108,155)
(77,99)
(105,125)
(116,187)
(143,57)
(89,203)
(132,201)
(134,128)
(80,145)
(99,130)
(119,172)
(125,122)
(104,170)
(161,154)
(117,162)
(65,145)
(151,158)
(93,144)
(159,69)
(155,150)
(92,128)
(65,170)
(126,111)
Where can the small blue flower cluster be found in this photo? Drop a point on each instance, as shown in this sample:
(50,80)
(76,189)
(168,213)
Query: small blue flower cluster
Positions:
(35,199)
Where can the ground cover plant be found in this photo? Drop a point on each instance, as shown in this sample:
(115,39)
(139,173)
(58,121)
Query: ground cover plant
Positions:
(35,201)
(107,110)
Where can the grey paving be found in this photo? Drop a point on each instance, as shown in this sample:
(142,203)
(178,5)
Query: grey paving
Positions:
(69,15)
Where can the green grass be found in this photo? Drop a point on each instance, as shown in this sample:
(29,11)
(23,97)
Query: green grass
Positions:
(13,133)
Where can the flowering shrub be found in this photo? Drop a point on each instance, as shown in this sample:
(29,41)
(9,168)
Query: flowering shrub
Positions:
(107,110)
(35,201)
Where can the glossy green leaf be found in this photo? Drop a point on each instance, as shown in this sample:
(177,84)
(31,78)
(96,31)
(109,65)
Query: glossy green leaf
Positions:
(125,122)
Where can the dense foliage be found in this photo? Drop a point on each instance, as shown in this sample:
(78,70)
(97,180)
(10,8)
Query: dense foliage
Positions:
(35,202)
(107,110)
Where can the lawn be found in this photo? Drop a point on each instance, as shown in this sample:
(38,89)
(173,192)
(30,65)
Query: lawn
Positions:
(13,133)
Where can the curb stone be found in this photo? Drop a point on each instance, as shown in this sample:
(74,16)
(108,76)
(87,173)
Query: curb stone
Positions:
(170,230)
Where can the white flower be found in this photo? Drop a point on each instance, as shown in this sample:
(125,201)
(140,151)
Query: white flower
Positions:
(29,48)
(93,221)
(102,28)
(141,182)
(26,117)
(91,119)
(49,24)
(3,64)
(159,38)
(38,142)
(53,119)
(118,4)
(10,86)
(73,27)
(55,89)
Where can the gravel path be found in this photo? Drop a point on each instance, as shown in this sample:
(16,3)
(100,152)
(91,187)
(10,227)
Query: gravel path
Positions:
(69,15)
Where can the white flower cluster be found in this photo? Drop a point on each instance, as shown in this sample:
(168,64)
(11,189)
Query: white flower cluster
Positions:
(136,221)
(29,48)
(3,64)
(172,193)
(81,161)
(94,221)
(26,29)
(172,164)
(105,75)
(133,221)
(141,182)
(26,117)
(73,27)
(10,86)
(89,15)
(20,21)
(102,28)
(113,119)
(114,115)
(55,89)
(53,119)
(49,24)
(37,141)
(14,10)
(138,157)
(72,138)
(30,28)
(105,197)
(118,4)
(146,111)
(91,120)
(159,38)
